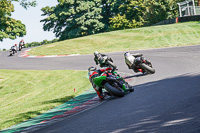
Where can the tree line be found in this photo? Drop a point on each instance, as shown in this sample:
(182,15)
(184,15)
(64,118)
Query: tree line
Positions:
(76,18)
(44,42)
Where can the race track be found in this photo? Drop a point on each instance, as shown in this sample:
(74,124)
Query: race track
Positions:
(165,102)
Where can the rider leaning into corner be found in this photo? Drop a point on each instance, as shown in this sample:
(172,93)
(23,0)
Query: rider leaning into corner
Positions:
(14,48)
(98,57)
(93,72)
(22,41)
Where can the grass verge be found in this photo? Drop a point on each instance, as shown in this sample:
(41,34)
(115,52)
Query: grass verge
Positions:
(25,94)
(179,34)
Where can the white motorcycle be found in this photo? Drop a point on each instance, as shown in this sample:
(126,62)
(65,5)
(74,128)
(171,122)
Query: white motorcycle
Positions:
(138,63)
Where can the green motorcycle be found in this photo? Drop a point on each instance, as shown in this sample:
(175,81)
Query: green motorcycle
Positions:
(113,83)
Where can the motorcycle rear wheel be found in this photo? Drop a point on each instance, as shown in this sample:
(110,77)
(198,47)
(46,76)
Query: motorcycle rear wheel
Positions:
(114,91)
(111,64)
(147,68)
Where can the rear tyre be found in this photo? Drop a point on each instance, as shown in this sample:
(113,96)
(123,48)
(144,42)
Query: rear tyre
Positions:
(114,91)
(20,48)
(111,64)
(147,68)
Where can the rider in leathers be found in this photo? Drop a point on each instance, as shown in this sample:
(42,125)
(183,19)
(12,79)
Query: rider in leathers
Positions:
(93,72)
(98,57)
(14,48)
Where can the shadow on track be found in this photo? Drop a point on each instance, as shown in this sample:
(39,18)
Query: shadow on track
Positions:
(138,75)
(172,106)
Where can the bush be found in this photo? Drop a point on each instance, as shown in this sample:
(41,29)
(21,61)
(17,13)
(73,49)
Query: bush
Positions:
(33,44)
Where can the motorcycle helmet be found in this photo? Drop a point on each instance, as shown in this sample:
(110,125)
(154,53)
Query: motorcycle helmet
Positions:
(96,53)
(15,44)
(91,68)
(127,54)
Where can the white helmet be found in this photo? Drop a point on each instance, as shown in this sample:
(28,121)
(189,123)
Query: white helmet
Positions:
(127,54)
(96,53)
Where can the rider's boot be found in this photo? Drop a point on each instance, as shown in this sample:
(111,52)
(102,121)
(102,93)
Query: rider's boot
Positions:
(99,92)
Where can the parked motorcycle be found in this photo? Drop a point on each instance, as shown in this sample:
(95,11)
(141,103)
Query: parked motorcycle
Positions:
(113,83)
(138,63)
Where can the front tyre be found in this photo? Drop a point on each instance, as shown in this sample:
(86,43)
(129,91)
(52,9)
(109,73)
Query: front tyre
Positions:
(114,91)
(147,68)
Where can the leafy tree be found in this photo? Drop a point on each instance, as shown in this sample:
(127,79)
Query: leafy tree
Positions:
(73,18)
(135,13)
(120,22)
(131,15)
(109,10)
(158,10)
(9,27)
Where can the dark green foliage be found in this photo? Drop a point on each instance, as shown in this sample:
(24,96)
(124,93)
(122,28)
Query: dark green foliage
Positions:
(131,15)
(44,42)
(158,10)
(109,10)
(73,18)
(135,13)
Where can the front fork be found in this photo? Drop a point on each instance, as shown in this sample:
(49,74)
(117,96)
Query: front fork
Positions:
(123,83)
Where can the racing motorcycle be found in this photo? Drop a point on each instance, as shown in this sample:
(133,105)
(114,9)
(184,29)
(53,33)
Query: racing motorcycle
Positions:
(21,45)
(138,63)
(113,83)
(12,50)
(104,60)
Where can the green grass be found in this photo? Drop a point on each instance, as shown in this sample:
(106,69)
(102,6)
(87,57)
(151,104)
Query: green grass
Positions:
(25,94)
(180,34)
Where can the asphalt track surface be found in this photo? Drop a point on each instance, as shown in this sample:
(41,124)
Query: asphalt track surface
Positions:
(165,102)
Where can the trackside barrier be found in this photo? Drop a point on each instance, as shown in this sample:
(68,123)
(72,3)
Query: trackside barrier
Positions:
(179,19)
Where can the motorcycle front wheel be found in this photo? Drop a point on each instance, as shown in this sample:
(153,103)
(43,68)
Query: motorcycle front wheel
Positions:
(113,90)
